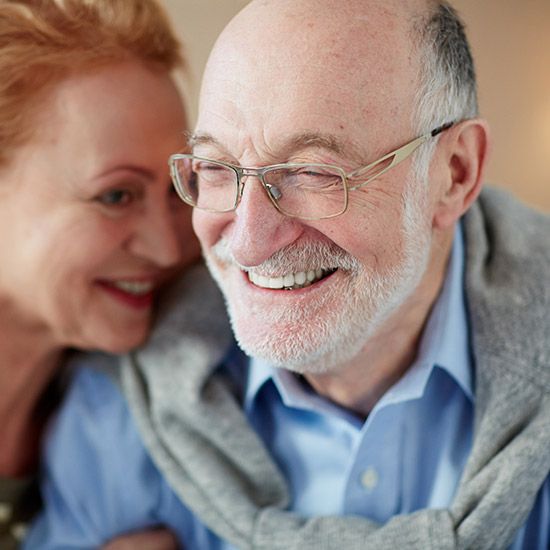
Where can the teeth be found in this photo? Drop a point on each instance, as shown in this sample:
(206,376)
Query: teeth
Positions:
(263,281)
(276,282)
(290,281)
(134,287)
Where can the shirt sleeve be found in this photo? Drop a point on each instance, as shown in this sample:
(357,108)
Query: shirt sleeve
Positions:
(99,481)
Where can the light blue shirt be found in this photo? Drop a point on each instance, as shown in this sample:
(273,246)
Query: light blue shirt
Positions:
(407,455)
(410,451)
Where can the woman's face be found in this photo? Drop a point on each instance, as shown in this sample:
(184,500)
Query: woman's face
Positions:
(89,224)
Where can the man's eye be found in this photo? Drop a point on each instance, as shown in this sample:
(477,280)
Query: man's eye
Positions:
(309,173)
(314,178)
(116,197)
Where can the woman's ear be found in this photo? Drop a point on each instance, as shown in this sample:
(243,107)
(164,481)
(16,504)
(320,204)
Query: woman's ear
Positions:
(465,152)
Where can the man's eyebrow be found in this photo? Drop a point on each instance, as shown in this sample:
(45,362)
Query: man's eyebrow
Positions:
(328,142)
(202,139)
(295,143)
(312,139)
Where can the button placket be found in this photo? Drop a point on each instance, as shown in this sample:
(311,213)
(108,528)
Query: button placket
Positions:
(369,479)
(372,489)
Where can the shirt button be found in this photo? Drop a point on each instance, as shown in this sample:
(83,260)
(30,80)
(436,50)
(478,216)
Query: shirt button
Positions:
(369,479)
(19,531)
(5,512)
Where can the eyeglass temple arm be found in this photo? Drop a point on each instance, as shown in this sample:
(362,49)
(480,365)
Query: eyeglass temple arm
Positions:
(399,155)
(442,128)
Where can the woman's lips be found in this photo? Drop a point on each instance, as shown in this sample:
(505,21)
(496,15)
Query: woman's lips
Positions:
(138,294)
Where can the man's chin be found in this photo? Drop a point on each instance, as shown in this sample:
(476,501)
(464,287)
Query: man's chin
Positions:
(287,347)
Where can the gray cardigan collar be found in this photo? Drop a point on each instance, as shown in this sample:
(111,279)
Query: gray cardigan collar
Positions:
(194,429)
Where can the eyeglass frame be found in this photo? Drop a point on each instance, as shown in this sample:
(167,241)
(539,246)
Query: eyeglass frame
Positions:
(399,155)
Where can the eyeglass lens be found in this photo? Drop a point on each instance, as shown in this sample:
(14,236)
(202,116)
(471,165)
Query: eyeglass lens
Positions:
(310,191)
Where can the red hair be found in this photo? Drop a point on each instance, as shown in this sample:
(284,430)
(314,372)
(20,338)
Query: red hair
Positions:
(44,41)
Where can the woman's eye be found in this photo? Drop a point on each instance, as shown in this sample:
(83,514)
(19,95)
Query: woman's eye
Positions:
(116,197)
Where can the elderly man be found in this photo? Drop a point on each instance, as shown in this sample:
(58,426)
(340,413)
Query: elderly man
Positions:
(395,326)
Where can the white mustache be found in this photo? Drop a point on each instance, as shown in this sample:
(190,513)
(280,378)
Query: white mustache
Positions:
(295,257)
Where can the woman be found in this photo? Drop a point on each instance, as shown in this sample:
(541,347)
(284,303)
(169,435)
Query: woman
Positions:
(90,229)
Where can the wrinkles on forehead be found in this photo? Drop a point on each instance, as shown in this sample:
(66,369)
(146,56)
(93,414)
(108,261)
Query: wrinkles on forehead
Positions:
(291,145)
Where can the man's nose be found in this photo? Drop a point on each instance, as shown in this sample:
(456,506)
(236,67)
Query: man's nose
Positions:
(259,229)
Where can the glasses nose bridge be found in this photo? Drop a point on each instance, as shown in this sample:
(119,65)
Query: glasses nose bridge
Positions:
(254,172)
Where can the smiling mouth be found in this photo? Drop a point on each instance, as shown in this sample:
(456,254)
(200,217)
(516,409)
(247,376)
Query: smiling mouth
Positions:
(290,281)
(137,288)
(136,294)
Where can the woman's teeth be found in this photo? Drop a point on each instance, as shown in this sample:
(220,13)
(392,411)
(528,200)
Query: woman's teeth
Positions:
(134,287)
(291,281)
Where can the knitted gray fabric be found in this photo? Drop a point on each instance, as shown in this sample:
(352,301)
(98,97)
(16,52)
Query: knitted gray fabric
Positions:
(198,436)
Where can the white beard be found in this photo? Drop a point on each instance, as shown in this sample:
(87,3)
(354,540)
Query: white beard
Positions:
(316,338)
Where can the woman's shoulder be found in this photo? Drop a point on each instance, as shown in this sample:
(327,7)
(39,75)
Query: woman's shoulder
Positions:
(93,383)
(94,414)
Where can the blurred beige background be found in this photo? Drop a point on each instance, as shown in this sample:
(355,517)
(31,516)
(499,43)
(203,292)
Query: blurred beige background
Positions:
(511,45)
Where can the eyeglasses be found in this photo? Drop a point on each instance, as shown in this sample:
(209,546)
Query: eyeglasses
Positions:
(306,191)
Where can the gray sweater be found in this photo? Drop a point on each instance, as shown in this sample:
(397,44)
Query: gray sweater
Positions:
(199,438)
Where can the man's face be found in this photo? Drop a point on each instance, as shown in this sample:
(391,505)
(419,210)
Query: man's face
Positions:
(328,97)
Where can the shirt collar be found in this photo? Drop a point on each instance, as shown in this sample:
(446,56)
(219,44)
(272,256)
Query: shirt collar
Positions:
(444,345)
(446,340)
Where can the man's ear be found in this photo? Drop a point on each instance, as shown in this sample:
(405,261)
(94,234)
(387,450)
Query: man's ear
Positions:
(465,151)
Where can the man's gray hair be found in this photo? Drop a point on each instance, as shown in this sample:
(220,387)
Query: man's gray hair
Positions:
(447,90)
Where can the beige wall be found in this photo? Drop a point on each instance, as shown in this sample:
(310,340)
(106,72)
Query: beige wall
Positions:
(511,44)
(199,22)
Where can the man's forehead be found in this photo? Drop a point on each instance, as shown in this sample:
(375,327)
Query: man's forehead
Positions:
(285,43)
(302,75)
